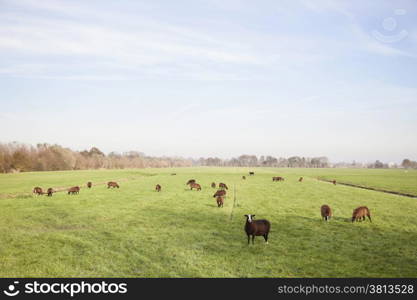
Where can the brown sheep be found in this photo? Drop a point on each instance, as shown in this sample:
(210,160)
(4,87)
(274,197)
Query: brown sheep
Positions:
(191,181)
(158,188)
(278,178)
(334,182)
(38,191)
(360,214)
(220,202)
(256,228)
(74,190)
(195,186)
(251,173)
(219,193)
(244,177)
(223,186)
(50,192)
(89,185)
(213,185)
(112,184)
(301,179)
(326,212)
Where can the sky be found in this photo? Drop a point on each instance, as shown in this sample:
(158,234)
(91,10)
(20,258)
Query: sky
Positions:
(202,78)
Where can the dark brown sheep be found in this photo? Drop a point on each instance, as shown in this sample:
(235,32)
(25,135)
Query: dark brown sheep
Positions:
(326,212)
(74,190)
(195,186)
(278,178)
(213,185)
(158,188)
(38,191)
(191,181)
(112,184)
(251,173)
(244,177)
(223,186)
(360,214)
(50,191)
(334,182)
(219,193)
(89,184)
(220,201)
(256,228)
(301,179)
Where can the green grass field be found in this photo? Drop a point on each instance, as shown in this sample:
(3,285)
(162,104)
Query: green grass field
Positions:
(135,232)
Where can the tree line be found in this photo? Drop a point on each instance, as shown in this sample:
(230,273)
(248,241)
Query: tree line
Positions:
(16,157)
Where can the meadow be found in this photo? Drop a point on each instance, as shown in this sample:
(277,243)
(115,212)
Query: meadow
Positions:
(136,232)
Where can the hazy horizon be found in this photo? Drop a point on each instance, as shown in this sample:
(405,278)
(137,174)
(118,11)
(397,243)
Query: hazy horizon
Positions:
(212,78)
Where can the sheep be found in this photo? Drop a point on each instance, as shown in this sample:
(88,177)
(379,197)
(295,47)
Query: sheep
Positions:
(50,192)
(256,228)
(334,182)
(278,178)
(191,181)
(195,186)
(158,188)
(213,185)
(220,202)
(74,190)
(251,173)
(301,179)
(112,184)
(326,212)
(360,214)
(219,193)
(89,184)
(244,177)
(223,186)
(38,191)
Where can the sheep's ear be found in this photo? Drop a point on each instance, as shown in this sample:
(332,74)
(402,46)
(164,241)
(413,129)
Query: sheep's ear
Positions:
(246,216)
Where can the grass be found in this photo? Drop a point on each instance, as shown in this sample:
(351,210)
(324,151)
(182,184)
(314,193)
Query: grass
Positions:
(399,180)
(135,232)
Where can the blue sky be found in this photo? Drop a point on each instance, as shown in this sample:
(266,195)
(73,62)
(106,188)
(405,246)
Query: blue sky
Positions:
(212,78)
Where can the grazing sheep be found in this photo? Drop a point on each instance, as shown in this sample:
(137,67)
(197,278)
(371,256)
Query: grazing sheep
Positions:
(195,186)
(326,212)
(38,191)
(220,201)
(301,179)
(256,228)
(50,192)
(213,185)
(219,193)
(251,173)
(360,214)
(244,177)
(158,188)
(112,184)
(223,186)
(191,181)
(89,184)
(74,190)
(334,182)
(278,178)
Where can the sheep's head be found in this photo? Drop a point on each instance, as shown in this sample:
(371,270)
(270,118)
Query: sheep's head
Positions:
(249,218)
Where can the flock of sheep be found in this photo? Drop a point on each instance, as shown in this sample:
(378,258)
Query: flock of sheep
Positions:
(253,227)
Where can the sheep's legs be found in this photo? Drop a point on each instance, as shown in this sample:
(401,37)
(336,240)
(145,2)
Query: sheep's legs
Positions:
(248,239)
(266,238)
(253,240)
